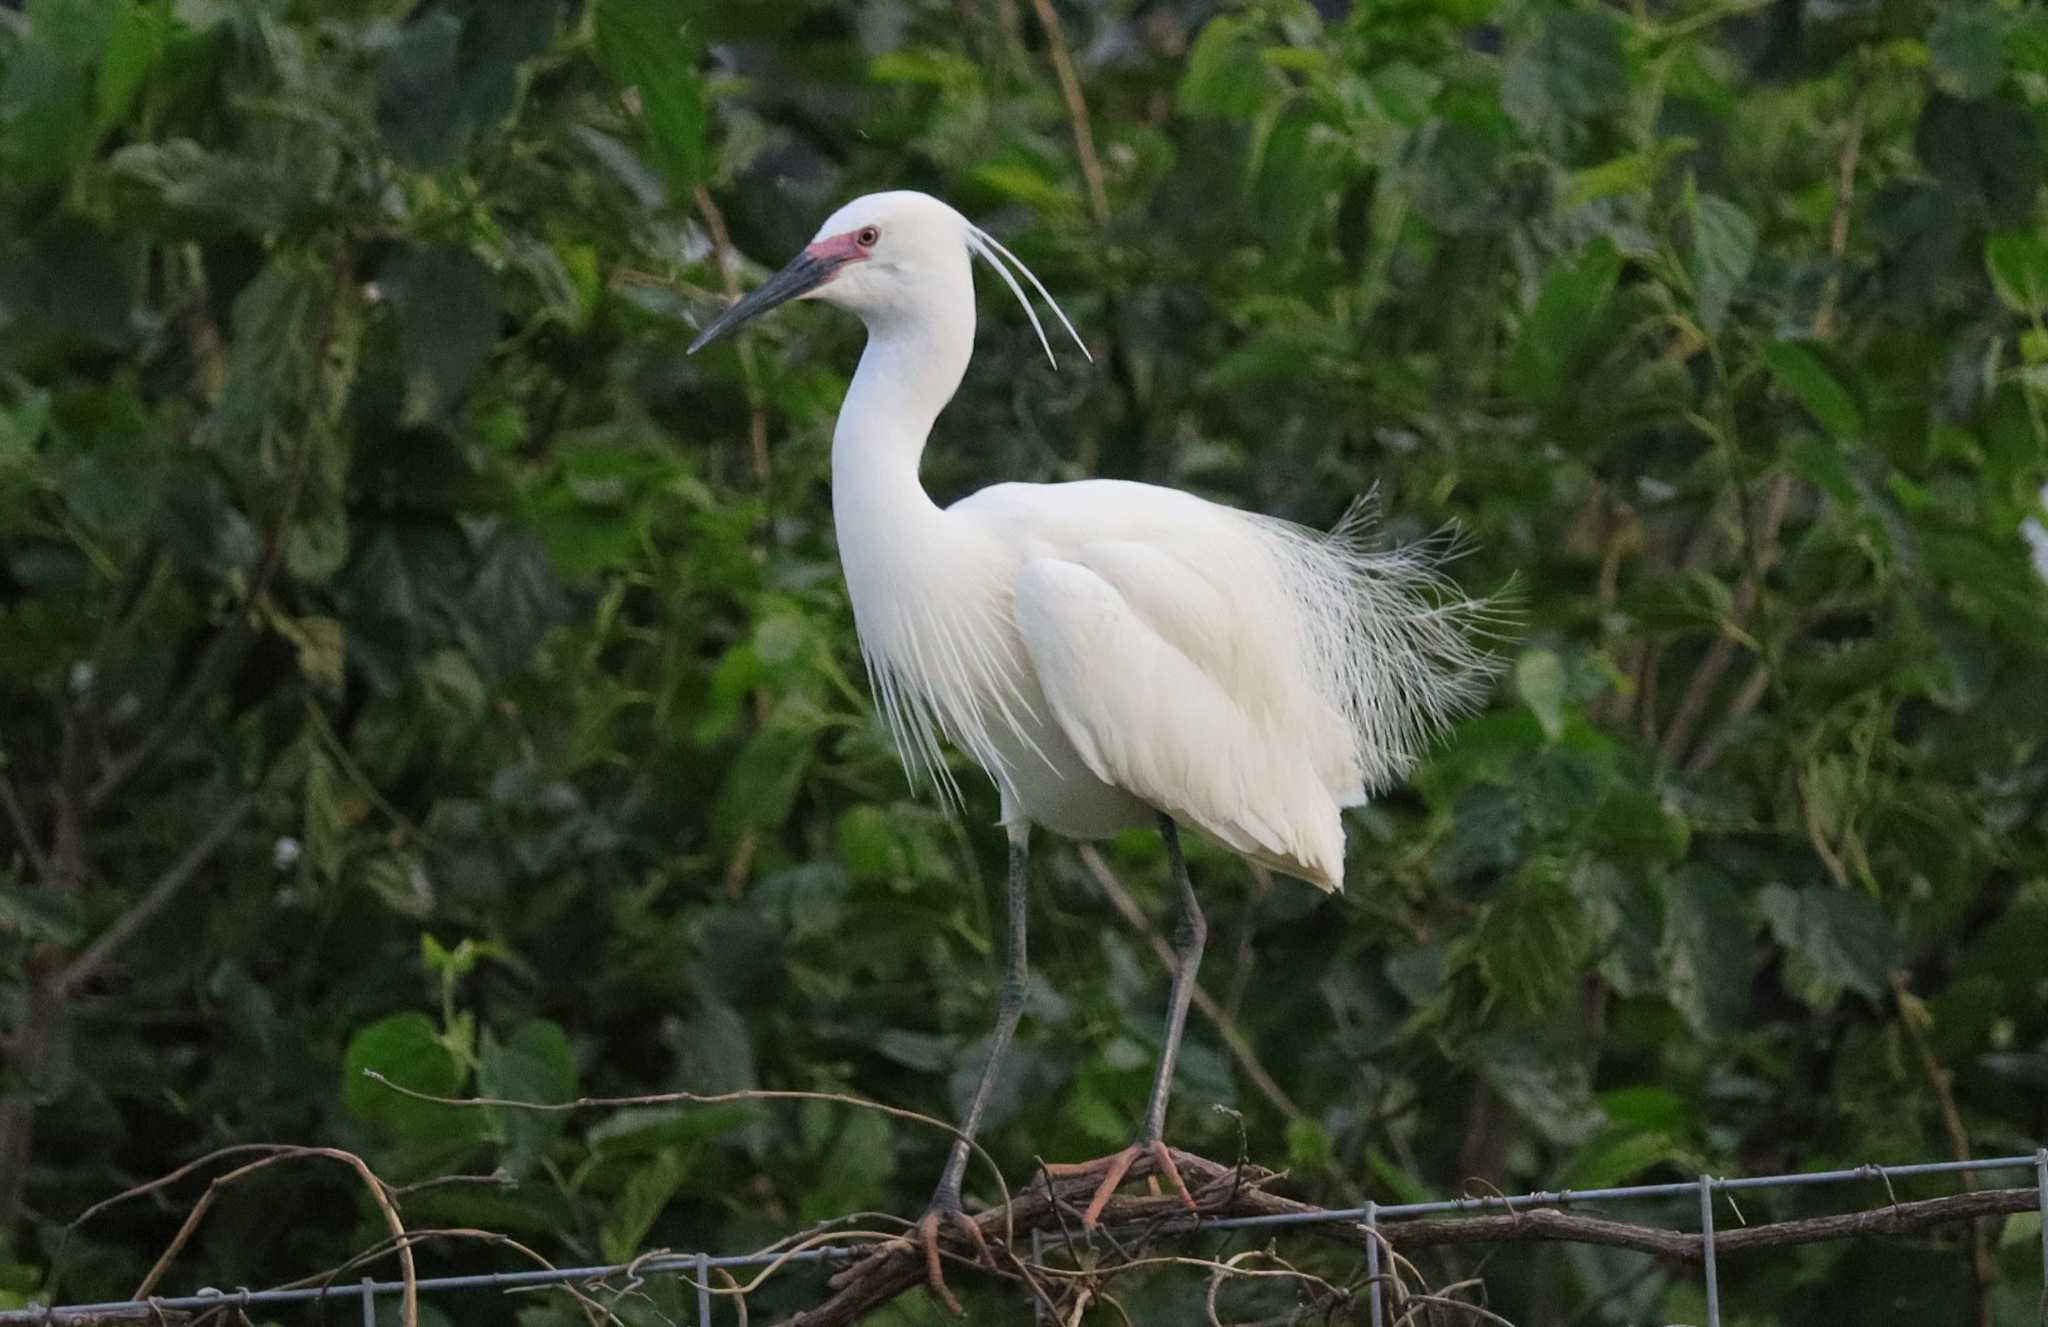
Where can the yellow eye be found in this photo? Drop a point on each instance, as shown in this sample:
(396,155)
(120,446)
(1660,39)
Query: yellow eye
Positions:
(868,237)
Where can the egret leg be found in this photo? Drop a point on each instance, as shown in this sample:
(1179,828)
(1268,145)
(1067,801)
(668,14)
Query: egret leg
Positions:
(1009,1008)
(945,1204)
(1190,934)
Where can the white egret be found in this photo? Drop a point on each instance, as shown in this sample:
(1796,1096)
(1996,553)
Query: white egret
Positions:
(1113,654)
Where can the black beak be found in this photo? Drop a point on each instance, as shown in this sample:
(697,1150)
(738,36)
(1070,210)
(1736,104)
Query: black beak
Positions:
(806,272)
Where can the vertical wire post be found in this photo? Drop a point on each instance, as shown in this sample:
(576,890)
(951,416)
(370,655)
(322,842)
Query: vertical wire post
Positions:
(2041,1187)
(369,1303)
(703,1290)
(1707,1251)
(1037,1259)
(1375,1296)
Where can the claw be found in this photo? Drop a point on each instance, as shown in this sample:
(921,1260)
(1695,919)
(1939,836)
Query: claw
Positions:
(927,1229)
(934,1276)
(1114,1168)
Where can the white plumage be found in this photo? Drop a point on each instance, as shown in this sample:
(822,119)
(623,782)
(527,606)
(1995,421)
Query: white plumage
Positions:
(1109,650)
(1111,653)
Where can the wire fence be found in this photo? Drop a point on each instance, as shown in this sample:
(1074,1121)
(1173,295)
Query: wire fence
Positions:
(698,1267)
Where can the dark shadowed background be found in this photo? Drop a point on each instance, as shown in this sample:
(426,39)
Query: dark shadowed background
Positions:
(408,658)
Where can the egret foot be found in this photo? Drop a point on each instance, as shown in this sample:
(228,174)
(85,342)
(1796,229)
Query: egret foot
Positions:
(946,1209)
(1115,1167)
(924,1237)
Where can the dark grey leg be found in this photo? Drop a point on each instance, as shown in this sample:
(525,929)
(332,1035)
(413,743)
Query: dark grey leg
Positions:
(1009,1006)
(1190,933)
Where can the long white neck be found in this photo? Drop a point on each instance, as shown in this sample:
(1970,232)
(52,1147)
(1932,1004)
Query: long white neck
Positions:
(916,354)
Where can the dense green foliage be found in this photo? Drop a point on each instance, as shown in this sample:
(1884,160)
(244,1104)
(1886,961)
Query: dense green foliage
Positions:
(366,535)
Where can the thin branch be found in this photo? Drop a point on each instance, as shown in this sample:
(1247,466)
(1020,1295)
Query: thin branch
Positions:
(18,815)
(1838,223)
(214,660)
(1077,110)
(593,1312)
(379,1194)
(1223,1191)
(83,967)
(722,256)
(1747,697)
(1722,652)
(897,1265)
(705,1099)
(1913,1016)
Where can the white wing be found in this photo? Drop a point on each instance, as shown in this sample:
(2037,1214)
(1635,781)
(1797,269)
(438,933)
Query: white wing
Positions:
(1168,692)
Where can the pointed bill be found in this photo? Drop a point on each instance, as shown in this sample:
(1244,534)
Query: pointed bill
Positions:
(805,273)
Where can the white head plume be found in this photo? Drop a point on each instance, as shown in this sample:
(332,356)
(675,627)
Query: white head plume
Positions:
(992,252)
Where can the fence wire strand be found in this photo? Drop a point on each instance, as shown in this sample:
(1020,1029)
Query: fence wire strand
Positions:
(697,1267)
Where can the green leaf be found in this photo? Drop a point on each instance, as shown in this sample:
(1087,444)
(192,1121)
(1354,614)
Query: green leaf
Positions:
(644,45)
(808,900)
(267,361)
(917,1050)
(1460,189)
(1540,682)
(1022,180)
(1616,1155)
(1224,76)
(447,306)
(1987,153)
(514,602)
(406,1049)
(854,1169)
(1632,825)
(1567,67)
(1566,314)
(1723,251)
(640,1130)
(183,190)
(1645,1106)
(762,785)
(1486,829)
(326,815)
(133,48)
(1709,956)
(867,843)
(1533,940)
(44,88)
(1966,50)
(317,547)
(2018,263)
(648,1190)
(1545,1082)
(535,1064)
(41,915)
(1822,464)
(718,1055)
(453,74)
(1803,368)
(1309,1145)
(21,428)
(1839,939)
(319,642)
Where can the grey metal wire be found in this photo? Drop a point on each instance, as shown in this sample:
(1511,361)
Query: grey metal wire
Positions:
(1375,1297)
(1707,1251)
(1038,1256)
(1370,1215)
(2041,1186)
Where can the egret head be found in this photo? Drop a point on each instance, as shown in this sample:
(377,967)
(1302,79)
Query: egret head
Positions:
(889,257)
